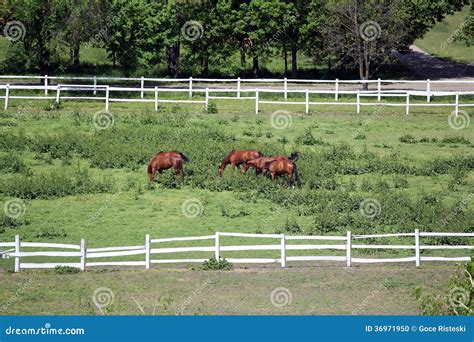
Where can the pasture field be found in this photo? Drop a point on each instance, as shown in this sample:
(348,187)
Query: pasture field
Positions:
(441,32)
(81,182)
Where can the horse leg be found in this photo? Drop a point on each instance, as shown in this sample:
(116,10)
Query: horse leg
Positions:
(257,171)
(246,167)
(179,169)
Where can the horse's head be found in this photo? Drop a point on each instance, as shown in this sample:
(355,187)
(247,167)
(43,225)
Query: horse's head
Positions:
(294,156)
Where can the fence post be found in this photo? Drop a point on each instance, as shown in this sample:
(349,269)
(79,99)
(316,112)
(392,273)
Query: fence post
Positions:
(307,101)
(218,247)
(456,108)
(7,94)
(428,90)
(358,101)
(190,87)
(17,251)
(256,101)
(348,249)
(407,111)
(156,99)
(46,84)
(83,255)
(283,250)
(379,89)
(285,87)
(95,85)
(58,93)
(207,99)
(336,90)
(107,94)
(147,251)
(417,247)
(142,85)
(238,87)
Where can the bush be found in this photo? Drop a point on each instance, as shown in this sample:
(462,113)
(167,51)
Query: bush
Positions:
(212,108)
(212,264)
(11,163)
(408,139)
(55,184)
(66,270)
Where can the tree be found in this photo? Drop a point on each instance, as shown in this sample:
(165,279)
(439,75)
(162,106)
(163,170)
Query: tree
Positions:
(131,26)
(82,20)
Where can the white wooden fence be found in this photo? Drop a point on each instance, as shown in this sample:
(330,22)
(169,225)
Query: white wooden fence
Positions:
(310,94)
(218,250)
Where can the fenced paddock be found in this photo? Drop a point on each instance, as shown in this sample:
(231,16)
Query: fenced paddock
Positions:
(151,90)
(148,253)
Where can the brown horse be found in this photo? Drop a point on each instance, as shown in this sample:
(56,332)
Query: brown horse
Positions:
(259,163)
(166,160)
(279,167)
(237,158)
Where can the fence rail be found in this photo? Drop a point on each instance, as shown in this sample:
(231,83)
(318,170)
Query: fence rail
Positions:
(188,85)
(217,249)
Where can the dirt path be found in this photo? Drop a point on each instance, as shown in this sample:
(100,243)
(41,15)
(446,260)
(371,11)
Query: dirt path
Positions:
(424,66)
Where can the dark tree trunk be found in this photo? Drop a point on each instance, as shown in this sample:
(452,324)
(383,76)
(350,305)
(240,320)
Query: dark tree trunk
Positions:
(173,60)
(242,57)
(294,62)
(75,61)
(205,66)
(255,67)
(285,56)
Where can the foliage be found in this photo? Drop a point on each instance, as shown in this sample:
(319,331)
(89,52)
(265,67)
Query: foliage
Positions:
(66,270)
(212,265)
(458,298)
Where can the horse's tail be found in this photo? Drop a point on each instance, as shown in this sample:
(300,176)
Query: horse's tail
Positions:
(295,176)
(185,159)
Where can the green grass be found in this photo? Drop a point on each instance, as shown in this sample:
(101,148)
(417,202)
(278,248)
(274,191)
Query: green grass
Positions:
(432,42)
(370,290)
(65,143)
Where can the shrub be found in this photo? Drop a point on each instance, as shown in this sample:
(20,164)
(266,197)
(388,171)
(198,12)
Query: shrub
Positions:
(11,163)
(212,264)
(408,139)
(212,108)
(55,184)
(291,226)
(66,270)
(309,139)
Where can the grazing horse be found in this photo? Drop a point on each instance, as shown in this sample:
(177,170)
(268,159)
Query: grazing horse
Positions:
(166,160)
(259,163)
(279,167)
(237,158)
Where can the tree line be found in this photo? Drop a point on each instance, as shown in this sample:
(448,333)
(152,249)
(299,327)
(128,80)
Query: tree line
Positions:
(196,36)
